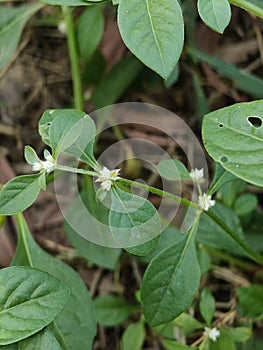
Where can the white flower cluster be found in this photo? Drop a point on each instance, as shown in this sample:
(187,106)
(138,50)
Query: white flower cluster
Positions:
(107,177)
(205,202)
(197,175)
(212,333)
(48,164)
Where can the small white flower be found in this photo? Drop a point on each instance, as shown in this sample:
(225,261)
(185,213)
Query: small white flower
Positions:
(212,334)
(62,27)
(48,165)
(107,177)
(205,201)
(197,175)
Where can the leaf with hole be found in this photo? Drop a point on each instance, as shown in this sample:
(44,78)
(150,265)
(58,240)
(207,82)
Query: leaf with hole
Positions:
(77,316)
(133,220)
(215,13)
(154,32)
(29,300)
(235,140)
(171,281)
(19,193)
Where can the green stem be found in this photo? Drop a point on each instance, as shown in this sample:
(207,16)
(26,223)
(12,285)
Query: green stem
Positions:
(72,47)
(159,192)
(248,6)
(76,170)
(254,255)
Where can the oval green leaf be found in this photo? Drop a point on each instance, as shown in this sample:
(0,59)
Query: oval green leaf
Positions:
(29,300)
(233,136)
(89,31)
(70,131)
(171,281)
(207,305)
(153,31)
(133,220)
(215,13)
(133,337)
(77,316)
(19,193)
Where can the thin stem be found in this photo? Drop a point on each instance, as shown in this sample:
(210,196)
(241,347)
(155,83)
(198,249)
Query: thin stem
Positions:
(159,192)
(248,6)
(254,255)
(76,170)
(72,47)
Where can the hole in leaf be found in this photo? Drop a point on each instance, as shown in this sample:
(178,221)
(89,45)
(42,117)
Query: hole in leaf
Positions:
(221,125)
(254,121)
(224,159)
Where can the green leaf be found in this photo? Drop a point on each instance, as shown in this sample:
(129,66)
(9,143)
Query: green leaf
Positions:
(133,337)
(172,169)
(212,235)
(239,334)
(245,204)
(242,80)
(112,310)
(12,22)
(207,305)
(44,340)
(229,191)
(29,300)
(145,248)
(71,2)
(19,193)
(30,155)
(154,32)
(223,342)
(174,345)
(250,301)
(221,176)
(187,323)
(204,259)
(77,316)
(13,346)
(70,131)
(215,13)
(112,86)
(133,220)
(89,31)
(87,210)
(171,281)
(202,106)
(240,126)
